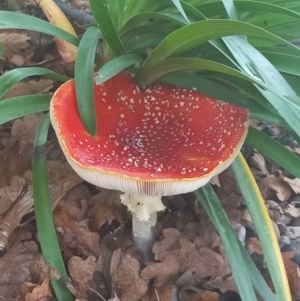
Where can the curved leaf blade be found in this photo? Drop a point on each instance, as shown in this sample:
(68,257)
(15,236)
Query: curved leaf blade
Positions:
(43,215)
(263,225)
(168,66)
(20,106)
(12,20)
(284,62)
(84,78)
(103,19)
(116,65)
(134,7)
(257,280)
(10,78)
(196,33)
(231,247)
(178,5)
(274,151)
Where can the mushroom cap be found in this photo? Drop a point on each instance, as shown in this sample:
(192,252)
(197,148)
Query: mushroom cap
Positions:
(161,141)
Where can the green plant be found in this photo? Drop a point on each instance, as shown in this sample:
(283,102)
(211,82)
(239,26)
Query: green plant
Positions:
(236,51)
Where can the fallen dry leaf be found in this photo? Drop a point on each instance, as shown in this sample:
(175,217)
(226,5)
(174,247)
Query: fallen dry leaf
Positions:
(15,47)
(224,284)
(293,273)
(258,161)
(106,207)
(24,129)
(82,272)
(16,267)
(74,238)
(14,163)
(16,201)
(253,246)
(76,202)
(278,184)
(170,241)
(126,278)
(294,183)
(61,178)
(40,292)
(295,150)
(179,256)
(207,296)
(291,210)
(30,87)
(162,293)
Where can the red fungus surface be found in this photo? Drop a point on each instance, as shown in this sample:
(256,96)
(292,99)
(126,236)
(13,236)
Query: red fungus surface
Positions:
(162,133)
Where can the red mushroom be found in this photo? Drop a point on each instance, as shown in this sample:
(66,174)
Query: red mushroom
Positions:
(149,143)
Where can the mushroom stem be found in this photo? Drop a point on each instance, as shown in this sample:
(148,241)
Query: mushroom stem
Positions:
(143,209)
(142,234)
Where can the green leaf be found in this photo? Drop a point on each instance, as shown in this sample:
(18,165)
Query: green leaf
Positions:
(12,20)
(20,106)
(43,215)
(168,66)
(284,62)
(143,18)
(10,78)
(134,7)
(177,3)
(116,10)
(263,225)
(113,67)
(102,17)
(257,280)
(231,247)
(215,89)
(231,10)
(257,7)
(194,34)
(84,78)
(279,93)
(274,151)
(141,41)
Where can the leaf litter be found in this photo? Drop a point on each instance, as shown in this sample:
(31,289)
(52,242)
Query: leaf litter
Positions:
(94,230)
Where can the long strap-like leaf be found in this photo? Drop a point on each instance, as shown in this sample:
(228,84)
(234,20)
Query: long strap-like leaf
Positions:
(43,214)
(263,225)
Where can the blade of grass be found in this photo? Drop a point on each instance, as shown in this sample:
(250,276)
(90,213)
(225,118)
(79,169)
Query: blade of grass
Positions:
(134,7)
(178,5)
(196,33)
(102,17)
(284,62)
(116,65)
(12,20)
(43,214)
(16,107)
(263,225)
(153,74)
(84,78)
(116,10)
(143,18)
(274,151)
(257,280)
(231,247)
(10,78)
(231,9)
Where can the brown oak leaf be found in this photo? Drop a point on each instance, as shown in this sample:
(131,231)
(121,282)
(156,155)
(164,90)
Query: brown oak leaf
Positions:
(82,272)
(126,278)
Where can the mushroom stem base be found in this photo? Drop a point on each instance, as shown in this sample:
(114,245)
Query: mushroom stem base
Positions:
(142,233)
